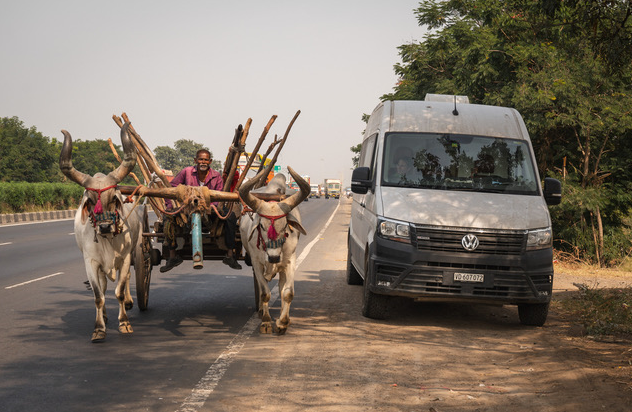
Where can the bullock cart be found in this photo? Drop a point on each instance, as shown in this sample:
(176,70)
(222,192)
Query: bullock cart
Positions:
(192,206)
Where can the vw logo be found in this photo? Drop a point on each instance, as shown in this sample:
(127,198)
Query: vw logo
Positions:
(469,242)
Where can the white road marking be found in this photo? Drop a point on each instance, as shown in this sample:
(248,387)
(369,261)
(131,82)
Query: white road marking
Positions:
(34,280)
(6,243)
(216,371)
(35,222)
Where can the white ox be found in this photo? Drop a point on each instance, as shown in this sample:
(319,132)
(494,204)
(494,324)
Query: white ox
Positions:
(106,231)
(270,237)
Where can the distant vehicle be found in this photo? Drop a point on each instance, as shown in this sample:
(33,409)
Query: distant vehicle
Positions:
(332,188)
(448,205)
(315,191)
(294,185)
(348,191)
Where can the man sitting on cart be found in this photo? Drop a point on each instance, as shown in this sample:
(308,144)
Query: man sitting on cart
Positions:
(200,175)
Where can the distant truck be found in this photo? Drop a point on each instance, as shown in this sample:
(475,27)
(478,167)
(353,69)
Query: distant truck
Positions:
(315,190)
(294,185)
(332,188)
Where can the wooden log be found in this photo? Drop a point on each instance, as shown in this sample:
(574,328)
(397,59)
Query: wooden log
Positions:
(231,150)
(146,160)
(267,153)
(143,150)
(236,150)
(209,195)
(276,154)
(255,151)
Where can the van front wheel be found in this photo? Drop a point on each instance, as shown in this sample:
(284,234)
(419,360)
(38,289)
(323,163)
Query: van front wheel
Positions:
(373,305)
(533,314)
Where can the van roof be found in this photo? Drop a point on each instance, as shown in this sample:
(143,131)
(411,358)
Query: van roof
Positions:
(437,117)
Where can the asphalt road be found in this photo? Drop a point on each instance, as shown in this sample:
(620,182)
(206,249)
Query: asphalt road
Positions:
(198,349)
(47,362)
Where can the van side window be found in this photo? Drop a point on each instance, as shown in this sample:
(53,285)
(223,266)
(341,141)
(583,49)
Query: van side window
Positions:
(367,155)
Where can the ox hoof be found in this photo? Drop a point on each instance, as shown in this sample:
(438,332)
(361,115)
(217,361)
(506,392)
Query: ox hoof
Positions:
(281,327)
(125,327)
(266,327)
(98,336)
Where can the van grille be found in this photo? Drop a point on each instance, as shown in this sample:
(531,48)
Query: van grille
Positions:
(421,281)
(491,242)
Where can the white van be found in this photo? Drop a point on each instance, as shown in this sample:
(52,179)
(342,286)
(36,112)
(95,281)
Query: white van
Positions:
(448,205)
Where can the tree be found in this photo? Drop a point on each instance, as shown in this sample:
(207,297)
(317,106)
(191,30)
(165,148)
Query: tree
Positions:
(566,67)
(358,148)
(26,155)
(356,151)
(181,156)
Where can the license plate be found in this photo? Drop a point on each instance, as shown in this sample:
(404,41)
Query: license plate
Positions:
(469,277)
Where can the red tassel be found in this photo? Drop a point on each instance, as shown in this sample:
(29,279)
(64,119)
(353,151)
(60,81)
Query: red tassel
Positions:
(98,208)
(272,233)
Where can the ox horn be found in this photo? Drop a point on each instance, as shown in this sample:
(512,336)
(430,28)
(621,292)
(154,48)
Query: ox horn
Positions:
(65,162)
(244,192)
(129,158)
(299,196)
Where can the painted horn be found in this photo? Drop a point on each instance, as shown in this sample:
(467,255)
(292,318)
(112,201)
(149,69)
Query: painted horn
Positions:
(65,162)
(299,196)
(129,157)
(244,192)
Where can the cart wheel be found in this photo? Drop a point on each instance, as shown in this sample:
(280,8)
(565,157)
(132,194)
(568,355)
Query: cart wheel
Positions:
(142,266)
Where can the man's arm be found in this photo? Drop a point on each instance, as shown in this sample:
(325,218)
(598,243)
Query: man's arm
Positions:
(179,179)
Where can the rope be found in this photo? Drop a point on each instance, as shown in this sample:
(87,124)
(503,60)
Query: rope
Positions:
(98,208)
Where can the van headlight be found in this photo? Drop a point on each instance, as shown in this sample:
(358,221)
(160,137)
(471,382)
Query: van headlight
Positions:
(539,239)
(394,230)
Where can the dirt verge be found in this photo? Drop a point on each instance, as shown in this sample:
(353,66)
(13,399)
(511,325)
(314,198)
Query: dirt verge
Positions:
(425,357)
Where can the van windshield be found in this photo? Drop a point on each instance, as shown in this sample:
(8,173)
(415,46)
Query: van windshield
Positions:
(458,162)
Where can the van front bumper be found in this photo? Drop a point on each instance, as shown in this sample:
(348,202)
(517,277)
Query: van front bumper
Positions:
(399,269)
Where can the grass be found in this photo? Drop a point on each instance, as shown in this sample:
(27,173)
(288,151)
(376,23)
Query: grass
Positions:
(602,312)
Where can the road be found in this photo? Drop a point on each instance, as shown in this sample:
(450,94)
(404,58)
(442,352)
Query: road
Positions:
(195,349)
(47,360)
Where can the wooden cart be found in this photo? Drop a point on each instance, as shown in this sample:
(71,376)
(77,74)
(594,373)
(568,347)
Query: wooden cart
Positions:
(206,241)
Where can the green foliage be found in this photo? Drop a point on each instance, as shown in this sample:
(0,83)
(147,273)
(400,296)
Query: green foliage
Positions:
(181,155)
(575,225)
(566,67)
(27,197)
(356,151)
(25,155)
(602,311)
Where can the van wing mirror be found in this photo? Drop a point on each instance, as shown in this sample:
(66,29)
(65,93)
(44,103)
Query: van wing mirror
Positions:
(552,191)
(361,180)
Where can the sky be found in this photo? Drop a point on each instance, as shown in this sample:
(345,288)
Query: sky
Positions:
(197,69)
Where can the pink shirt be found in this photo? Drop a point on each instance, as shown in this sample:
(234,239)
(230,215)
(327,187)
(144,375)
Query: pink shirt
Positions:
(189,176)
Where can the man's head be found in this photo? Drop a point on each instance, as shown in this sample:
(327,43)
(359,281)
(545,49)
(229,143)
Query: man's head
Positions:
(203,160)
(404,164)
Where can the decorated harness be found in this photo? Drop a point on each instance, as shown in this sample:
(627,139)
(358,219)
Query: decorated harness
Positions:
(98,216)
(273,241)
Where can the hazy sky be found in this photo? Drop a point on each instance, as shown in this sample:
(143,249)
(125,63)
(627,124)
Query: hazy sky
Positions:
(197,69)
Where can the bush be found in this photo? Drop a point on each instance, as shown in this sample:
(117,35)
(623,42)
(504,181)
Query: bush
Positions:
(602,312)
(18,197)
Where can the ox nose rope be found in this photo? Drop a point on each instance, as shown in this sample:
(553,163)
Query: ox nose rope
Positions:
(98,216)
(273,242)
(98,208)
(272,233)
